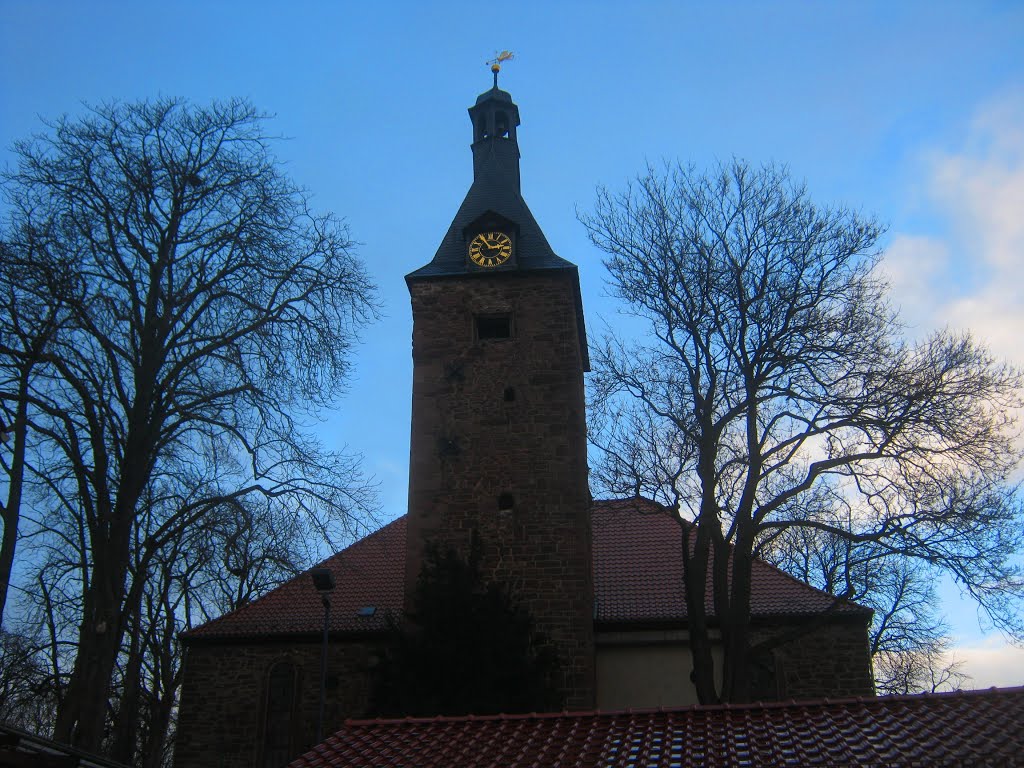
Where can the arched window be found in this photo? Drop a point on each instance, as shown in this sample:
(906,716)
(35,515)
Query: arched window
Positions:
(279,715)
(501,125)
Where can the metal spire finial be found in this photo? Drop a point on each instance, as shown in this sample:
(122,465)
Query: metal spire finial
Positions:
(497,61)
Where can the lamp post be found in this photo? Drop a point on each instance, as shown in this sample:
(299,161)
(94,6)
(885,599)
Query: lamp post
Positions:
(323,580)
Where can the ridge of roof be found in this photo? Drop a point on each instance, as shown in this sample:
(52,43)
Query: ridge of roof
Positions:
(825,701)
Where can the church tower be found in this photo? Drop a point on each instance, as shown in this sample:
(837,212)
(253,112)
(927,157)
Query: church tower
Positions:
(498,446)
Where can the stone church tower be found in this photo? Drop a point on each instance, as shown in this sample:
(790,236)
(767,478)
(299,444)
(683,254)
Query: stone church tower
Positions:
(498,447)
(498,454)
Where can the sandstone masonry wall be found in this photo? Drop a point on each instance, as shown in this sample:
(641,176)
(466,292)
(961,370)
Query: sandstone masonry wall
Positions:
(499,447)
(833,660)
(224,698)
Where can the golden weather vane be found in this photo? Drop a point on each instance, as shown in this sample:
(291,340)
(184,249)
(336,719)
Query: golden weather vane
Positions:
(497,61)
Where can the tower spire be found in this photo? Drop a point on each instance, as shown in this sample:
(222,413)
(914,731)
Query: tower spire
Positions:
(497,61)
(495,118)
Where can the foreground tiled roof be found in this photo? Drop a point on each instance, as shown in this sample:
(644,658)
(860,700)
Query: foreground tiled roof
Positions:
(638,571)
(974,728)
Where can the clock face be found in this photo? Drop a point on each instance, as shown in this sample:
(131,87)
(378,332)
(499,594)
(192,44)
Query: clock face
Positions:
(490,249)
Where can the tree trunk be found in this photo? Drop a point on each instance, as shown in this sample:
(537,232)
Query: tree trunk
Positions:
(695,578)
(164,699)
(126,723)
(103,627)
(736,669)
(156,736)
(11,512)
(160,644)
(82,717)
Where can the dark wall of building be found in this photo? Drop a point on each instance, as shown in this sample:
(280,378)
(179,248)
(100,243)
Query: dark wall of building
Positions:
(832,660)
(651,668)
(243,704)
(228,687)
(498,447)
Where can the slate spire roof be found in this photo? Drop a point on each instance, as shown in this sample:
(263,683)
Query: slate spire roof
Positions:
(495,192)
(495,201)
(638,582)
(971,728)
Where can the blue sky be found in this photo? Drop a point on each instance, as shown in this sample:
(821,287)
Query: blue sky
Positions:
(913,111)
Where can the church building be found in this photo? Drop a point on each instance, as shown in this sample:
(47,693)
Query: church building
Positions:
(498,455)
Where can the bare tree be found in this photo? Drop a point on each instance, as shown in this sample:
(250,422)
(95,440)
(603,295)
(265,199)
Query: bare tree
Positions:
(774,391)
(202,310)
(26,326)
(240,552)
(26,688)
(908,640)
(928,667)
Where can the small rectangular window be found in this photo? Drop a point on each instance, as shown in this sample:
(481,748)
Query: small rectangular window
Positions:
(493,327)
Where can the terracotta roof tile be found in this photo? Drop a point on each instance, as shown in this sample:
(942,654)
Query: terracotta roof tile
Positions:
(638,570)
(368,574)
(972,728)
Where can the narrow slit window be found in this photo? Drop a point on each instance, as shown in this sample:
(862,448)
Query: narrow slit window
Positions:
(493,327)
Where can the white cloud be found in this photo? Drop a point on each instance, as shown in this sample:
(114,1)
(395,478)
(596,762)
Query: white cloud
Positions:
(914,266)
(971,277)
(993,662)
(967,273)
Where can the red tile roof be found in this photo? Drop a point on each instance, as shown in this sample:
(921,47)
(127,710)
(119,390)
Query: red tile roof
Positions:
(638,578)
(370,573)
(638,570)
(973,728)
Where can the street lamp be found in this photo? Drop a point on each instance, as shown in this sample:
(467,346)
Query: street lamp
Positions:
(323,580)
